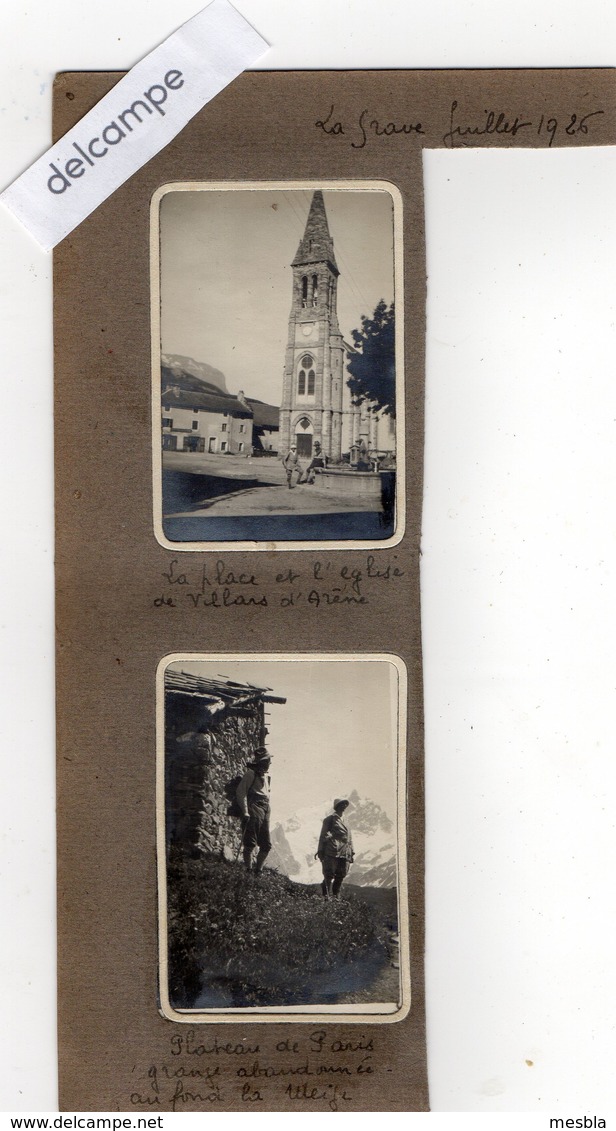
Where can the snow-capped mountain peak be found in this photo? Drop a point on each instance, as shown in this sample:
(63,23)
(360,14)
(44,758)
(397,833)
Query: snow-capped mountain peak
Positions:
(295,840)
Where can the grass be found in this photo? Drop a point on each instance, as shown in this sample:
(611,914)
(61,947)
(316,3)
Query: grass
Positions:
(238,940)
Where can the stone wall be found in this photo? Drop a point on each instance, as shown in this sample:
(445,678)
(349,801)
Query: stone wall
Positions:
(202,753)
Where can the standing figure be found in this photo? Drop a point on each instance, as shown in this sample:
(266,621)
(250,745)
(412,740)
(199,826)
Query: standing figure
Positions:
(335,850)
(253,795)
(291,464)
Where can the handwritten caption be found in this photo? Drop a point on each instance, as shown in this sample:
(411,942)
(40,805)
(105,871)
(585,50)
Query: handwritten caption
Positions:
(318,1069)
(322,583)
(494,122)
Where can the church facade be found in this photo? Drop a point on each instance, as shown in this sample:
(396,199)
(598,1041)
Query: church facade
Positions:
(316,401)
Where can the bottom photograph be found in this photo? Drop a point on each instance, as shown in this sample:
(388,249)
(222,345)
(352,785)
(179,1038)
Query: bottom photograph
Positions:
(281,823)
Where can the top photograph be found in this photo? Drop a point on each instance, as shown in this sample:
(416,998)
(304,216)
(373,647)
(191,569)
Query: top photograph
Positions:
(277,365)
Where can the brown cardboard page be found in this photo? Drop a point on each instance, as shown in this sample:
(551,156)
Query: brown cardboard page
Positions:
(204,610)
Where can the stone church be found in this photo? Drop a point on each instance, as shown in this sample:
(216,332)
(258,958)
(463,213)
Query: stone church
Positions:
(316,400)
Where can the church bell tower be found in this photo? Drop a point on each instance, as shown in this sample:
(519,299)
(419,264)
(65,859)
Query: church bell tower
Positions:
(314,378)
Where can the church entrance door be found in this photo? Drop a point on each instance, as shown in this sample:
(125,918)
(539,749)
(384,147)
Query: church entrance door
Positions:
(304,445)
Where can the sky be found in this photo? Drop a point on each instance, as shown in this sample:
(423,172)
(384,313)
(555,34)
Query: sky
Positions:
(226,278)
(335,733)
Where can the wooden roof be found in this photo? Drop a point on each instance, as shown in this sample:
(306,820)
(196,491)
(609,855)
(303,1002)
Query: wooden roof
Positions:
(176,397)
(219,693)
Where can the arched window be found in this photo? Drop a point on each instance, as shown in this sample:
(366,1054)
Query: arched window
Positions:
(304,290)
(306,376)
(315,289)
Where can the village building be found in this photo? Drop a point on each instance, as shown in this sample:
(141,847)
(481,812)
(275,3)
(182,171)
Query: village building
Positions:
(205,422)
(316,400)
(215,421)
(265,426)
(212,727)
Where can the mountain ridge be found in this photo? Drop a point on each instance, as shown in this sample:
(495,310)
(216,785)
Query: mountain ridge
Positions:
(182,367)
(374,839)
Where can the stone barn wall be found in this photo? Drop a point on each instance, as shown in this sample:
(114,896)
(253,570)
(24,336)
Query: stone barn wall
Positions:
(203,751)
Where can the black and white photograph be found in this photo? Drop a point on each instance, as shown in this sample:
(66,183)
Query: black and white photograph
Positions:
(277,366)
(281,838)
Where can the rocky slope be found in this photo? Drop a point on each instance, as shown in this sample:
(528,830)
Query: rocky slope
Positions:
(184,368)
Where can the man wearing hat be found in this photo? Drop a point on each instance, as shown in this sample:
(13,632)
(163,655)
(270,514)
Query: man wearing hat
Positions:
(318,460)
(335,850)
(252,795)
(291,464)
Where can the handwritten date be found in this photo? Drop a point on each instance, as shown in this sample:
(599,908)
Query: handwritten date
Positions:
(496,123)
(472,128)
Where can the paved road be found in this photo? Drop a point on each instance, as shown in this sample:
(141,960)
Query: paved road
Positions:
(232,486)
(267,470)
(304,499)
(228,499)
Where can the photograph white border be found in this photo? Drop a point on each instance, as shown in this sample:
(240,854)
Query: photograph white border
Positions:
(362,1013)
(156,350)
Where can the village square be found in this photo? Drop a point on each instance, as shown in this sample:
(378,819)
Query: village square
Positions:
(317,459)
